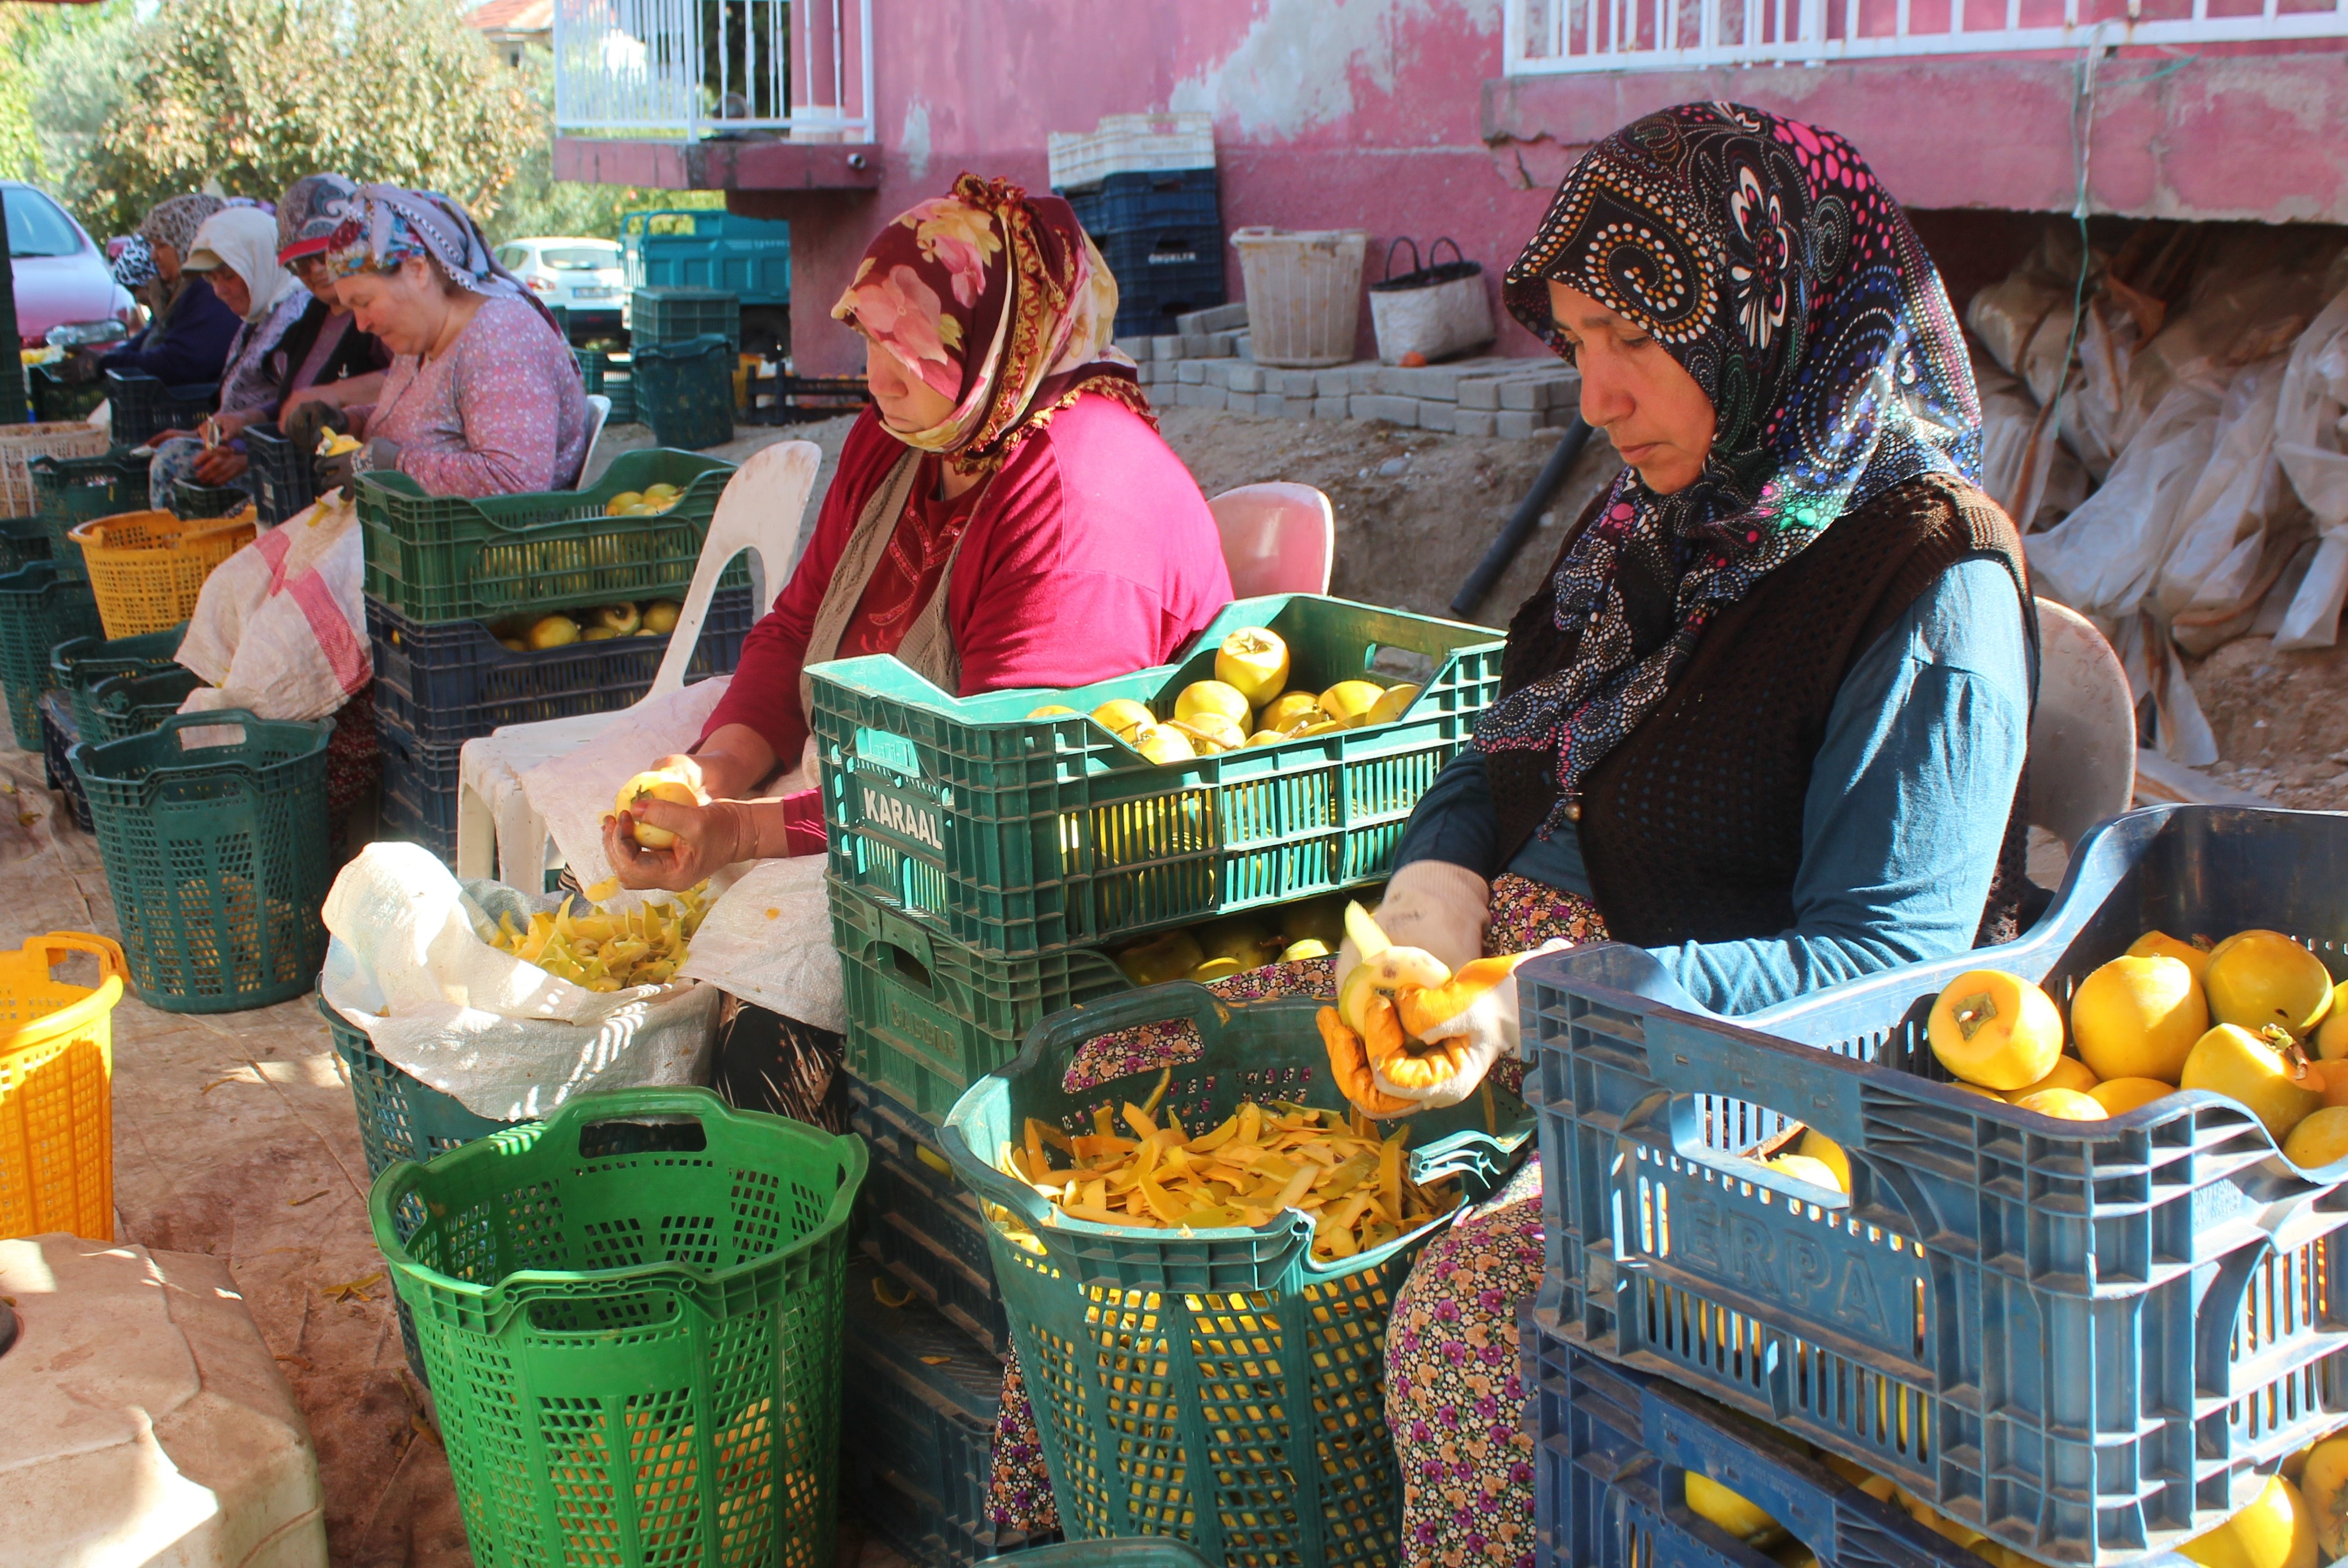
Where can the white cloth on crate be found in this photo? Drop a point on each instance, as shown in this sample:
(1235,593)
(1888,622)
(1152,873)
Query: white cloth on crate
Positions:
(280,627)
(408,965)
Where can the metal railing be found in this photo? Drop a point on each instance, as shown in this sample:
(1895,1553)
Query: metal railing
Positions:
(1555,37)
(697,68)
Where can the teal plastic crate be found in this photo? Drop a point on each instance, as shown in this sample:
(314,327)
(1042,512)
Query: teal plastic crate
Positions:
(928,1016)
(74,490)
(2088,1340)
(672,314)
(1018,836)
(454,558)
(23,540)
(1222,1385)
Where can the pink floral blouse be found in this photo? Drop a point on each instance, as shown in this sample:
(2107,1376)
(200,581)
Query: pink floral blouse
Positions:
(503,411)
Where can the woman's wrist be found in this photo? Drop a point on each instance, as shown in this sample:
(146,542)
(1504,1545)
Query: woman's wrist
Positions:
(748,823)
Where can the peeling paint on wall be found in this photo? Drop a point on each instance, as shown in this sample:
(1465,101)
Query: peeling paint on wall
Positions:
(915,139)
(1301,61)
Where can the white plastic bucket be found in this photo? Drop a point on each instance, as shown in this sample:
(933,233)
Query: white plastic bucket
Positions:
(1304,293)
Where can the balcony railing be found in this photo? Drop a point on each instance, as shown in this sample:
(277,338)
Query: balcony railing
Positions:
(697,68)
(1552,37)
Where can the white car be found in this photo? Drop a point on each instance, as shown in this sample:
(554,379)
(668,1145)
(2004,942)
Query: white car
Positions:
(584,276)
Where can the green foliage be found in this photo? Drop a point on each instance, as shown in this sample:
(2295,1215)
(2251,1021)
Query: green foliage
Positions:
(254,94)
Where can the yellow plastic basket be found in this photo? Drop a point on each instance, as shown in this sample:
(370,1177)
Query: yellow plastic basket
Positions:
(146,568)
(56,1090)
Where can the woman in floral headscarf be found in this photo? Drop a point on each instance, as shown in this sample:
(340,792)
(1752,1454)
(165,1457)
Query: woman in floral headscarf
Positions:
(1005,515)
(483,395)
(187,340)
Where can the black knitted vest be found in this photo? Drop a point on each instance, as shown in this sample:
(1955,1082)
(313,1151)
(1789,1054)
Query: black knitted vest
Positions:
(1691,829)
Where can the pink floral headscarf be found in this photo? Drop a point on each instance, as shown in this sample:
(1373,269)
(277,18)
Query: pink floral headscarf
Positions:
(998,301)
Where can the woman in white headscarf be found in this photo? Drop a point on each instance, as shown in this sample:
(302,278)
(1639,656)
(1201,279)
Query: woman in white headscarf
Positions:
(235,251)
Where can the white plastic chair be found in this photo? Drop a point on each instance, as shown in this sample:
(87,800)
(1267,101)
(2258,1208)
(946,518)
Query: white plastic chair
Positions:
(2083,737)
(599,414)
(1278,538)
(759,512)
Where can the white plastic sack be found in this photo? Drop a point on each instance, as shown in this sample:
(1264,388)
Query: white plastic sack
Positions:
(2024,321)
(2105,558)
(2033,477)
(2221,527)
(280,627)
(509,1040)
(2309,442)
(768,941)
(2154,672)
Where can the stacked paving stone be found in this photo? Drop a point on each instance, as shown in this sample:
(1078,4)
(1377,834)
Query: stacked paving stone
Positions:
(1206,365)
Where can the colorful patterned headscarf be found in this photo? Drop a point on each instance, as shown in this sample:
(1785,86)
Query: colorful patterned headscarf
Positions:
(174,223)
(308,214)
(384,225)
(134,266)
(999,301)
(1767,260)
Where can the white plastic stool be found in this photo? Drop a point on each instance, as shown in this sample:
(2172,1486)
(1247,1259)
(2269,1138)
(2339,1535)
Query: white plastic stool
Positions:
(759,512)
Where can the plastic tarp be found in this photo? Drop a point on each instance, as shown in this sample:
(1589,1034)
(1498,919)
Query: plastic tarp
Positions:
(2312,448)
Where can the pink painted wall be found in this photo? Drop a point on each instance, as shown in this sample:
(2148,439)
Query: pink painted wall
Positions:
(1393,116)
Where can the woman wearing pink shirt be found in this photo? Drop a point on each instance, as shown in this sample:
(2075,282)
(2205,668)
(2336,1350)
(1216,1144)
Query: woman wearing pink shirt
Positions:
(483,395)
(1005,515)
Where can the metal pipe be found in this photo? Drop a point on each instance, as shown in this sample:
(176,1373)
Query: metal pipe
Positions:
(1520,526)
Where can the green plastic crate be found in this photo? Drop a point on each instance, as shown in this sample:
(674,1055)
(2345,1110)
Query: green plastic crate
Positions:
(79,663)
(685,391)
(671,314)
(927,1017)
(1018,835)
(1257,1428)
(454,558)
(216,855)
(190,500)
(40,606)
(71,492)
(52,397)
(636,1355)
(613,376)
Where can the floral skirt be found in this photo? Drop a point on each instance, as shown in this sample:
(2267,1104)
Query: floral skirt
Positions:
(1455,1402)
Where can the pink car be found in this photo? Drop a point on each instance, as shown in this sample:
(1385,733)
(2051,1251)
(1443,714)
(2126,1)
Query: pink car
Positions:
(61,276)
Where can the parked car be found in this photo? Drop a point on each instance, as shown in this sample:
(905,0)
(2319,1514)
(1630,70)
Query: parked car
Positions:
(61,275)
(583,276)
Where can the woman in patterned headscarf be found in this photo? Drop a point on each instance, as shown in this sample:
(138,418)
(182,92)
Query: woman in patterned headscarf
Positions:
(1767,717)
(187,340)
(1004,514)
(324,356)
(483,395)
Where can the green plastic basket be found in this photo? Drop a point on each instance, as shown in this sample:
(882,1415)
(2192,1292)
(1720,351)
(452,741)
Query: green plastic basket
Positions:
(40,606)
(1172,1372)
(74,490)
(685,391)
(23,540)
(128,704)
(78,664)
(454,558)
(636,1356)
(216,854)
(1019,835)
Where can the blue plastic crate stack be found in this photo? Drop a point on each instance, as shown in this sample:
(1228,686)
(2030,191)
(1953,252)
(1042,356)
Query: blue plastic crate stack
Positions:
(2066,1342)
(1161,233)
(441,680)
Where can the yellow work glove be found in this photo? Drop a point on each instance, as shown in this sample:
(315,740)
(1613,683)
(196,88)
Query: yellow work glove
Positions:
(1461,1028)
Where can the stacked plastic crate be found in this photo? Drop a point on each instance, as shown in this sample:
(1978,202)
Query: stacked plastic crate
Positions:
(983,867)
(493,611)
(1144,187)
(685,341)
(2072,1342)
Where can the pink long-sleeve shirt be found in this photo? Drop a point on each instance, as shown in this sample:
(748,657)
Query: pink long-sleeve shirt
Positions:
(502,412)
(1091,553)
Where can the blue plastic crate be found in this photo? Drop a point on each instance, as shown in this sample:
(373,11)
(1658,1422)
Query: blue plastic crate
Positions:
(2085,1339)
(420,789)
(143,406)
(59,735)
(1612,1449)
(1120,204)
(1163,273)
(917,1432)
(448,681)
(919,1223)
(282,477)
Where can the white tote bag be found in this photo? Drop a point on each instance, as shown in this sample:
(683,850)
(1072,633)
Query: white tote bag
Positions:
(1435,310)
